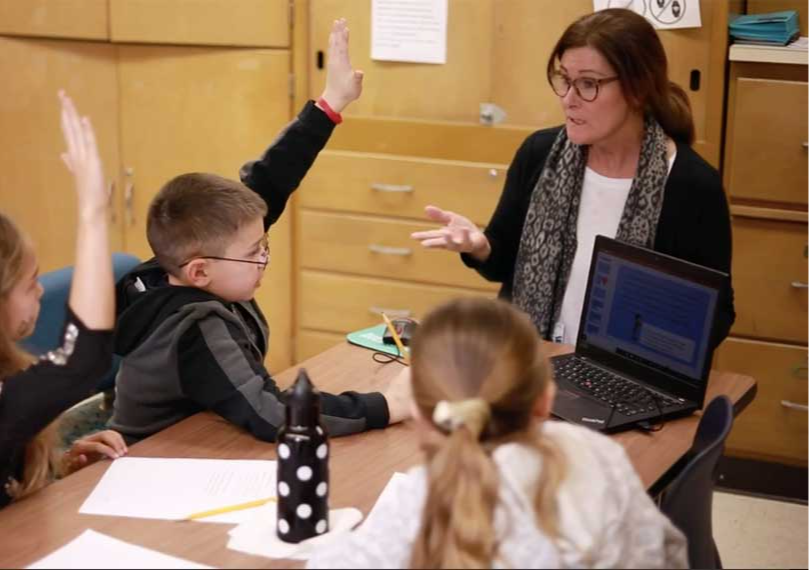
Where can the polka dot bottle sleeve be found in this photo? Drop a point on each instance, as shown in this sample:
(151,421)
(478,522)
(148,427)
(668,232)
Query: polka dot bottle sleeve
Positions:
(303,466)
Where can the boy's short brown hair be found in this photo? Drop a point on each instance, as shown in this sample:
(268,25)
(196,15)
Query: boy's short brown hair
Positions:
(198,214)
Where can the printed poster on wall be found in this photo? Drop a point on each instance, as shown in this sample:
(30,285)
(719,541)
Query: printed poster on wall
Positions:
(409,30)
(663,14)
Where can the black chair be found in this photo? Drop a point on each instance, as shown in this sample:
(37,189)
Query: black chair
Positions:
(688,500)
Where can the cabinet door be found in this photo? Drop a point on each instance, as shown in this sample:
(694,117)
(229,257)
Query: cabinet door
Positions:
(36,189)
(774,426)
(205,109)
(769,279)
(452,91)
(79,19)
(263,23)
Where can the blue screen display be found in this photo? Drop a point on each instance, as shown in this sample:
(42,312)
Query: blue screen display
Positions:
(652,317)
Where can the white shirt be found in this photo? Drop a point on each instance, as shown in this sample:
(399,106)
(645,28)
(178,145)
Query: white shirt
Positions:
(600,210)
(606,518)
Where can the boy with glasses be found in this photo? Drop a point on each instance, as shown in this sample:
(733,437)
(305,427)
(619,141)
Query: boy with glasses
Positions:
(191,335)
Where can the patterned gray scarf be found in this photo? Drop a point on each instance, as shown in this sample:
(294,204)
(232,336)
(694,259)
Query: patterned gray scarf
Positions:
(548,243)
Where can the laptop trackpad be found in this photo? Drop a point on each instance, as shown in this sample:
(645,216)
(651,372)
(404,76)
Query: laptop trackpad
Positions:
(580,409)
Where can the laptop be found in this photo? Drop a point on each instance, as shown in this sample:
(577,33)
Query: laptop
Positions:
(644,351)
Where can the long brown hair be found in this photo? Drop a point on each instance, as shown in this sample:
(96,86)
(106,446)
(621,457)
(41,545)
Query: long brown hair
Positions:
(632,47)
(486,355)
(41,456)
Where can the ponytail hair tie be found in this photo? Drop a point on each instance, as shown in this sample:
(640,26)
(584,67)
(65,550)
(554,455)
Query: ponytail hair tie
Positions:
(474,414)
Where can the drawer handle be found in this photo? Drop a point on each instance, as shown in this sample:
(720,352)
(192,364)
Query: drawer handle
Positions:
(793,406)
(387,250)
(800,285)
(390,312)
(805,144)
(392,188)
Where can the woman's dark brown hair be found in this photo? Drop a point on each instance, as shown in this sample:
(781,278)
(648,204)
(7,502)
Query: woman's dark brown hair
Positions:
(632,47)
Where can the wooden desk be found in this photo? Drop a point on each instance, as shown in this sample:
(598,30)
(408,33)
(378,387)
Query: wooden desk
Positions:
(360,465)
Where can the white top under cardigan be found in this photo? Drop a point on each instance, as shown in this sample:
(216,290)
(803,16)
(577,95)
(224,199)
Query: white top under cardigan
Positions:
(602,204)
(606,518)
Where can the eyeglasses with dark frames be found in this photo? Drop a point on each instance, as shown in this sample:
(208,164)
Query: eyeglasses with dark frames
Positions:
(586,87)
(264,255)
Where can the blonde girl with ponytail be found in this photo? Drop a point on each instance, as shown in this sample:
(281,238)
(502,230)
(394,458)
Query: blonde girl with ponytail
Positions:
(33,392)
(502,485)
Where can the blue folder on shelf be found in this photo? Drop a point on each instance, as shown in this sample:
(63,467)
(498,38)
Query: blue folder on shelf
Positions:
(372,338)
(772,28)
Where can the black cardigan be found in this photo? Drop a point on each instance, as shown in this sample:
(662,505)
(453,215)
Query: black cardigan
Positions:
(33,398)
(694,221)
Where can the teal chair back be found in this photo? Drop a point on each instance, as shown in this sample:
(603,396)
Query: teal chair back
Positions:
(48,329)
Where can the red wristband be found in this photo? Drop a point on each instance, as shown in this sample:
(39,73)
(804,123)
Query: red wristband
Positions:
(336,118)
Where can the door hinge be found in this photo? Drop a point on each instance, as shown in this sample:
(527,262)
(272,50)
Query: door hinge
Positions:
(291,85)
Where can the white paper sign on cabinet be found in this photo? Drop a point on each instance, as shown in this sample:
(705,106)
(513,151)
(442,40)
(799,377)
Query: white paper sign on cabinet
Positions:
(412,31)
(663,14)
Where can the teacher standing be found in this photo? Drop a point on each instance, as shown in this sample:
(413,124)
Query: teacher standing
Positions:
(621,166)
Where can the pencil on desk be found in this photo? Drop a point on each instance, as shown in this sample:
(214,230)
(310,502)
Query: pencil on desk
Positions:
(230,509)
(397,340)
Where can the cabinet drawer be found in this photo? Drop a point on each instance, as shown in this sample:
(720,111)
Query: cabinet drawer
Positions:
(398,186)
(772,427)
(768,153)
(260,23)
(769,270)
(79,19)
(379,247)
(340,304)
(312,343)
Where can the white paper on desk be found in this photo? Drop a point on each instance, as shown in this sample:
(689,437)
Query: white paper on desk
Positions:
(389,495)
(409,30)
(173,489)
(663,14)
(257,536)
(95,550)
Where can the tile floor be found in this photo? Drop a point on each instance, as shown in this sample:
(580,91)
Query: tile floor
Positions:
(752,532)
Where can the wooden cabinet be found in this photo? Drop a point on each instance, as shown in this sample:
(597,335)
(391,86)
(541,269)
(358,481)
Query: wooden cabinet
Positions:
(765,175)
(264,23)
(774,426)
(36,189)
(159,111)
(78,19)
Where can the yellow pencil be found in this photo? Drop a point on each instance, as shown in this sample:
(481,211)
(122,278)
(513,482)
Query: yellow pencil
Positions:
(397,340)
(230,509)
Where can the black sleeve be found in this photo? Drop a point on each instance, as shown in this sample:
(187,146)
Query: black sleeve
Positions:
(277,174)
(504,230)
(33,398)
(220,371)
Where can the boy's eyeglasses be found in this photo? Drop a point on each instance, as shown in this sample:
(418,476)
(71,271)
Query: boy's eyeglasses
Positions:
(586,87)
(264,257)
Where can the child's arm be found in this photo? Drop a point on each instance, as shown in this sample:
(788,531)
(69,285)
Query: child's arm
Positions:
(220,371)
(282,167)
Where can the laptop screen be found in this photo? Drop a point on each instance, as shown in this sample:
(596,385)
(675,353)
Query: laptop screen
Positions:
(650,316)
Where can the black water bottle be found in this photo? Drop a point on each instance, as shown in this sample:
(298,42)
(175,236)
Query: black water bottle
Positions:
(303,466)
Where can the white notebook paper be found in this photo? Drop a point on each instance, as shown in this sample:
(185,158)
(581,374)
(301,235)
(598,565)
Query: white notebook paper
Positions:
(95,550)
(173,489)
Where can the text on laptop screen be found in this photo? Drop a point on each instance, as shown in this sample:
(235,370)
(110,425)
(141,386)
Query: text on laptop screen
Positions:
(649,316)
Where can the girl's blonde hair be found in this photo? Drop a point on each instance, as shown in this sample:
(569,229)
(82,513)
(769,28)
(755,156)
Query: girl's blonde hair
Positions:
(481,359)
(42,460)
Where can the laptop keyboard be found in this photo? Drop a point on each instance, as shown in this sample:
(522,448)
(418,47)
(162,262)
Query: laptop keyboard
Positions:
(627,397)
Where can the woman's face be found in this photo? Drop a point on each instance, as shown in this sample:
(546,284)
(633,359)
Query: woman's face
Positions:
(593,122)
(21,307)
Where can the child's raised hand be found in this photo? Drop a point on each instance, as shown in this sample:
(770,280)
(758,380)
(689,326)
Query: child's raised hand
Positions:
(83,162)
(343,83)
(93,447)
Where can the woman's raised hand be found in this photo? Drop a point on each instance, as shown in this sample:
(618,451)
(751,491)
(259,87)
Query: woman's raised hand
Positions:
(458,234)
